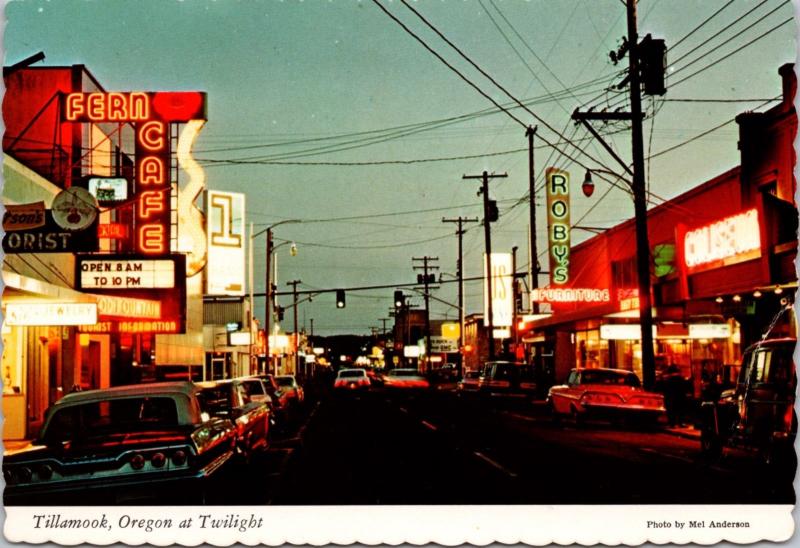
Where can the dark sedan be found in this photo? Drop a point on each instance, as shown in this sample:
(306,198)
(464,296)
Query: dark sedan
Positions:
(122,445)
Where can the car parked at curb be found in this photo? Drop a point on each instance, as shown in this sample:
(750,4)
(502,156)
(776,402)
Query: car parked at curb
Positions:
(232,399)
(758,414)
(469,382)
(507,378)
(122,445)
(603,393)
(289,384)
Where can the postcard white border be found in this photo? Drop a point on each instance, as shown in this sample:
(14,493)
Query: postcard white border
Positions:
(417,525)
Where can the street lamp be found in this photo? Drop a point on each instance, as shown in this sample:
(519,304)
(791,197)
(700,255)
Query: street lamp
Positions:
(268,291)
(642,268)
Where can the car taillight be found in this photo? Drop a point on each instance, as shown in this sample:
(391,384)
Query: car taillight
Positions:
(158,460)
(25,474)
(179,457)
(594,397)
(45,472)
(137,461)
(10,477)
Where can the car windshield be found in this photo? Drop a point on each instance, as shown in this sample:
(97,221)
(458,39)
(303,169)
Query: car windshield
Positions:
(472,374)
(285,381)
(215,400)
(599,376)
(352,374)
(111,416)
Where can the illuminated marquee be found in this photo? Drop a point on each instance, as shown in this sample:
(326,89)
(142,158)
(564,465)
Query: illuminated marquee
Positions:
(151,113)
(558,228)
(570,295)
(126,274)
(502,295)
(730,240)
(30,314)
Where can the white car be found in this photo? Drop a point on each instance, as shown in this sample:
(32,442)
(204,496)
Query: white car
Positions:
(352,379)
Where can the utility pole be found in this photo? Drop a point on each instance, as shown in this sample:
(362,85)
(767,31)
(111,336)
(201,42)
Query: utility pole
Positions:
(426,280)
(268,303)
(294,283)
(384,320)
(514,326)
(632,48)
(489,214)
(640,204)
(533,267)
(460,273)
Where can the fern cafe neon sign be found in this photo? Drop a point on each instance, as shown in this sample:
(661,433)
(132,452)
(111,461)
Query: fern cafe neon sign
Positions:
(151,113)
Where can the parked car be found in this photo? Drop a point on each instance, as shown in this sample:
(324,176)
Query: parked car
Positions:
(469,383)
(231,399)
(281,400)
(406,378)
(605,394)
(758,414)
(288,383)
(127,444)
(502,377)
(351,379)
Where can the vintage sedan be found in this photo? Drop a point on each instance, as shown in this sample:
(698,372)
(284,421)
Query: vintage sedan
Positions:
(232,399)
(123,445)
(289,384)
(351,379)
(405,378)
(469,382)
(605,394)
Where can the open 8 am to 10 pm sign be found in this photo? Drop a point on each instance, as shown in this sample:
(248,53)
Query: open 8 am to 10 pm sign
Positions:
(558,229)
(140,277)
(225,269)
(151,113)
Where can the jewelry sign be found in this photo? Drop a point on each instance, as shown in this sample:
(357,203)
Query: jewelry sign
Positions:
(558,228)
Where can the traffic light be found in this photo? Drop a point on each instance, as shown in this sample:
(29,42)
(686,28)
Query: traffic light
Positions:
(340,302)
(431,279)
(279,313)
(493,213)
(653,63)
(399,299)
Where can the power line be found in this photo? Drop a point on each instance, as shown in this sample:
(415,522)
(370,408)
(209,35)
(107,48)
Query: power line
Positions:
(701,25)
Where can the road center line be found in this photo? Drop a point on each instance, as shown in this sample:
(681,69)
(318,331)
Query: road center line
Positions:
(404,410)
(429,425)
(495,464)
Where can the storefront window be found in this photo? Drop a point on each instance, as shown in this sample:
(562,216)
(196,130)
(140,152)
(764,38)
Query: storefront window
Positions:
(590,350)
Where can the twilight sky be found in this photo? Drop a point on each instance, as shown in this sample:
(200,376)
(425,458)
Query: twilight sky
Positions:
(347,123)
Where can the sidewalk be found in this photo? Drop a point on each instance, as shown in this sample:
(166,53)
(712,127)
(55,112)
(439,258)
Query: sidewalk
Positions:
(688,431)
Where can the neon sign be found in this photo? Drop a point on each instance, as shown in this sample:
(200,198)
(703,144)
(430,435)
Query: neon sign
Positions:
(558,233)
(151,113)
(570,295)
(730,240)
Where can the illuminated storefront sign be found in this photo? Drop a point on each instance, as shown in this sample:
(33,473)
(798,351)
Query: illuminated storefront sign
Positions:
(502,294)
(442,345)
(451,331)
(239,338)
(225,269)
(709,330)
(623,332)
(628,299)
(730,240)
(109,305)
(112,231)
(108,189)
(411,352)
(151,113)
(50,313)
(558,228)
(126,273)
(133,327)
(570,295)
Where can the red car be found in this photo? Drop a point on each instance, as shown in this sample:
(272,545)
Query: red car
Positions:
(405,378)
(605,394)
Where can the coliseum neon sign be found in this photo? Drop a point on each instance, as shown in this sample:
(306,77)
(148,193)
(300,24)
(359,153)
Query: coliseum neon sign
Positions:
(730,240)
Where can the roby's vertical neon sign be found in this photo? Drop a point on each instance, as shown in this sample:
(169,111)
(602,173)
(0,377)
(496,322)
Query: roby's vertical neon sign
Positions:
(151,114)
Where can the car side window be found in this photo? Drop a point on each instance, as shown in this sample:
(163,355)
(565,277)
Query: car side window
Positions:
(573,378)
